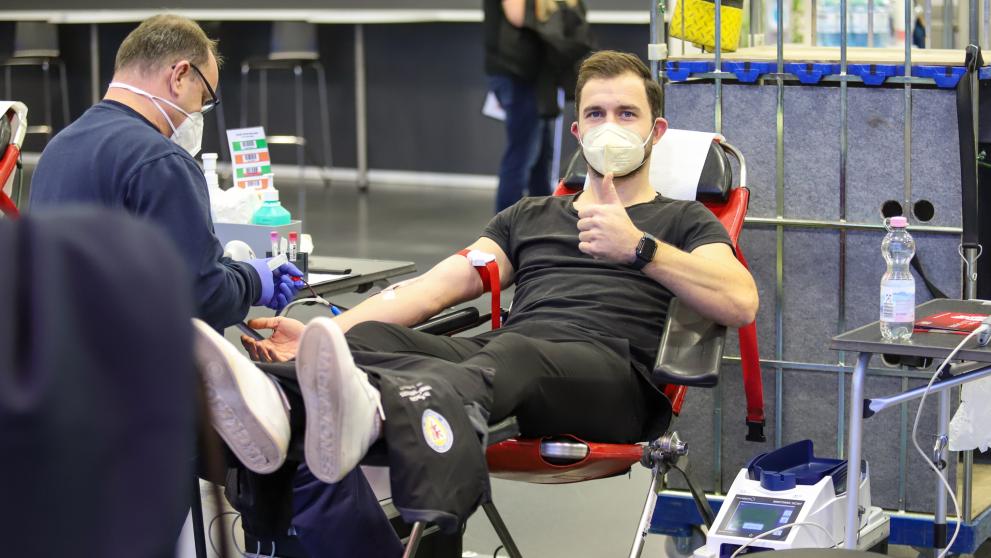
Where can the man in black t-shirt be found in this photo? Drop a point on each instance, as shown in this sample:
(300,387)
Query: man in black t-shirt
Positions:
(594,273)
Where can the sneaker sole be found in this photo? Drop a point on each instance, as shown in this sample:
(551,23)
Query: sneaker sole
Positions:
(322,356)
(243,433)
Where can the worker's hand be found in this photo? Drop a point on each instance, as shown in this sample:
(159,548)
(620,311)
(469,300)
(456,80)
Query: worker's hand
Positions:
(278,347)
(605,229)
(279,286)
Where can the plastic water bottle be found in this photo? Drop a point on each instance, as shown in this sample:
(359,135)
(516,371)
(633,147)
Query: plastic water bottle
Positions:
(897,284)
(271,213)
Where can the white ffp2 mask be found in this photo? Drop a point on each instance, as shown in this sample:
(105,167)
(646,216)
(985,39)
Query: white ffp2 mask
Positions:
(189,134)
(612,148)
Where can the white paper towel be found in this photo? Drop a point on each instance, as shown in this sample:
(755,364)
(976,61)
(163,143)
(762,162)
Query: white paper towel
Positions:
(969,426)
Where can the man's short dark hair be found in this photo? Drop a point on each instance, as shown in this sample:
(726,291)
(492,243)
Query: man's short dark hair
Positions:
(606,64)
(163,40)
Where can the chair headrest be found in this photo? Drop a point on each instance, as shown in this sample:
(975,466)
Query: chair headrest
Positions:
(684,165)
(691,165)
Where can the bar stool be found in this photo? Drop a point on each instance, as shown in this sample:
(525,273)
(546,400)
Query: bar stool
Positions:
(294,48)
(36,45)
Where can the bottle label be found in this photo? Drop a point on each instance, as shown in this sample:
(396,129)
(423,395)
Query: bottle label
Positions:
(898,301)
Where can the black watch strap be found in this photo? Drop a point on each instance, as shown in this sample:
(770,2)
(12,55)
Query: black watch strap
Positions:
(646,249)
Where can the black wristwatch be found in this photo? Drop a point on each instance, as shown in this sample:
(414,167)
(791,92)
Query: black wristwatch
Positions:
(646,249)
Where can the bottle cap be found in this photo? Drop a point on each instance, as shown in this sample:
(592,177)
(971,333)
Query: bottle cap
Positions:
(270,194)
(898,222)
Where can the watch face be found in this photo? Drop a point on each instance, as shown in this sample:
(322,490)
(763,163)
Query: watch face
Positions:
(645,251)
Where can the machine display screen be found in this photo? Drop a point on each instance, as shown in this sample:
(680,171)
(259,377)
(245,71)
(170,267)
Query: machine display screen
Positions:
(752,515)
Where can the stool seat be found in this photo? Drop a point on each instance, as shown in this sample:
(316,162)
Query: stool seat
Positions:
(36,46)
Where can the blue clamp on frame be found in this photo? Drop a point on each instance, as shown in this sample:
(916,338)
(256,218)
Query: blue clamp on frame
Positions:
(946,77)
(811,73)
(875,74)
(680,70)
(748,72)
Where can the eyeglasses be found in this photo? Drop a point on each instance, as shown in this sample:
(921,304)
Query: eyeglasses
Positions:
(214,99)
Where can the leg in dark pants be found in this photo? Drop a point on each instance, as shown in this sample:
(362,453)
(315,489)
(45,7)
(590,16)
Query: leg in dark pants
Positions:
(552,386)
(526,153)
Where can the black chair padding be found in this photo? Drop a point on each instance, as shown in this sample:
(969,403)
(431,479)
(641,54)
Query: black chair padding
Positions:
(716,180)
(5,131)
(691,349)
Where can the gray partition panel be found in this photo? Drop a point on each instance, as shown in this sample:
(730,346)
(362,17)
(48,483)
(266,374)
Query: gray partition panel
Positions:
(758,246)
(876,156)
(748,120)
(810,405)
(936,154)
(812,152)
(811,294)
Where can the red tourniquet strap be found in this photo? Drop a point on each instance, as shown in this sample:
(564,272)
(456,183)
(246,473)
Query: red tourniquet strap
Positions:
(753,383)
(490,283)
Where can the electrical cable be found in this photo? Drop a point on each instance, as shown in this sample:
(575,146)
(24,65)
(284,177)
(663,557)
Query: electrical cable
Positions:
(495,553)
(797,523)
(915,427)
(778,528)
(209,531)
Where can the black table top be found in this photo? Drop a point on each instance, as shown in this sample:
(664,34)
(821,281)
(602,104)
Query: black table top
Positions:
(867,339)
(364,273)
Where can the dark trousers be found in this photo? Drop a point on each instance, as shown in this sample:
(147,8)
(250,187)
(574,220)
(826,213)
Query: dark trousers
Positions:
(526,163)
(552,386)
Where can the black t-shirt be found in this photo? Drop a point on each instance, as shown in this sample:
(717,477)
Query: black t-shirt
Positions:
(558,284)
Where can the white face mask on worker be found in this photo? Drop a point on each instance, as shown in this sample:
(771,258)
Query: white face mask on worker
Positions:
(189,134)
(612,148)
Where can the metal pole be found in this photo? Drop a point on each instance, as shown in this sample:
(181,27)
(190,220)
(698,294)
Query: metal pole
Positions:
(942,459)
(928,11)
(948,21)
(360,108)
(645,516)
(870,23)
(987,23)
(852,532)
(94,62)
(877,404)
(719,68)
(814,14)
(779,195)
(907,125)
(655,65)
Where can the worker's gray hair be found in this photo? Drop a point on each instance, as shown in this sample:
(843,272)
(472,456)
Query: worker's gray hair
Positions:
(163,40)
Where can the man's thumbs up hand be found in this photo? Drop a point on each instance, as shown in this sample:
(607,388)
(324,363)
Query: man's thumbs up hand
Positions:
(605,191)
(605,231)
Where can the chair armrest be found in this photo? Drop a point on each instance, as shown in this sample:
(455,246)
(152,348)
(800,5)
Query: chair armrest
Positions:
(691,348)
(451,322)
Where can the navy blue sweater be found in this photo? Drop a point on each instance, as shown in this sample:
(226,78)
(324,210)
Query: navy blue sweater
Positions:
(114,157)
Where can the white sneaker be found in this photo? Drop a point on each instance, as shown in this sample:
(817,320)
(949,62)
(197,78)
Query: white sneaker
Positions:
(343,410)
(246,406)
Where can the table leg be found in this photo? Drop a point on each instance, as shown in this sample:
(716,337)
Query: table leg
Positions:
(856,428)
(940,454)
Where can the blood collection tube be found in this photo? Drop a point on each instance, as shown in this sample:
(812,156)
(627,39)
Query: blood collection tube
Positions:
(293,243)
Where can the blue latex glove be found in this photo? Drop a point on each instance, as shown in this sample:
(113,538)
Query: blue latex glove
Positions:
(278,286)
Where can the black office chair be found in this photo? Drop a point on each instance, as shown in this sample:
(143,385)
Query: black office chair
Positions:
(36,46)
(294,47)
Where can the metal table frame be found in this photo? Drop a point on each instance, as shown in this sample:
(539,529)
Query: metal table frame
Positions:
(866,340)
